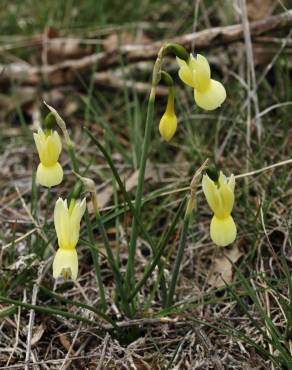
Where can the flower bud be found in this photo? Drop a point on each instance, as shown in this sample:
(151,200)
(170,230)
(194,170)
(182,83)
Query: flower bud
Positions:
(168,122)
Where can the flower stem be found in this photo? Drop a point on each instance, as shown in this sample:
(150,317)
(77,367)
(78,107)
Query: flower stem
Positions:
(114,267)
(139,191)
(142,167)
(183,238)
(72,155)
(95,259)
(181,248)
(156,258)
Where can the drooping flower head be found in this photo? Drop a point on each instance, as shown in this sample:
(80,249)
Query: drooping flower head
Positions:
(49,146)
(209,94)
(220,197)
(168,122)
(67,225)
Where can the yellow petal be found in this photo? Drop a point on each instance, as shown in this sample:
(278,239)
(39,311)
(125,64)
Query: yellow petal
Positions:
(60,208)
(40,140)
(65,229)
(75,219)
(222,231)
(49,147)
(212,97)
(49,176)
(182,63)
(168,126)
(231,182)
(41,134)
(53,148)
(65,260)
(202,73)
(222,179)
(67,224)
(185,73)
(212,195)
(227,197)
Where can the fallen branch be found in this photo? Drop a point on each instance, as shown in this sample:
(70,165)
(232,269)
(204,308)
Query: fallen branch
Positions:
(66,72)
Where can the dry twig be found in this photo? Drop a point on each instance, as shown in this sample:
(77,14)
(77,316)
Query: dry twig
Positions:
(65,72)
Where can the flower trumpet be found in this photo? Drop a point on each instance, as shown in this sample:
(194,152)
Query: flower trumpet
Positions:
(220,197)
(67,225)
(49,146)
(209,94)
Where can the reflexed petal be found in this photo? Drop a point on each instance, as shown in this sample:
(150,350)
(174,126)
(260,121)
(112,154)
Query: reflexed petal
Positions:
(192,62)
(41,133)
(37,141)
(231,182)
(182,63)
(58,143)
(168,126)
(81,206)
(185,73)
(212,97)
(212,195)
(53,146)
(222,178)
(49,147)
(49,176)
(222,231)
(40,140)
(65,228)
(58,214)
(227,197)
(75,219)
(202,73)
(65,259)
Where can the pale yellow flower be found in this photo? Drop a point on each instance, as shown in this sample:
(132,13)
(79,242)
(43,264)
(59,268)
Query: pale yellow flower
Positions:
(209,94)
(168,122)
(49,171)
(67,225)
(220,197)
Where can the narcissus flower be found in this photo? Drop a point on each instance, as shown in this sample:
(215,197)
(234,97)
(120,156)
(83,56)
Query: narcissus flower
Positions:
(220,197)
(208,93)
(67,225)
(168,122)
(49,146)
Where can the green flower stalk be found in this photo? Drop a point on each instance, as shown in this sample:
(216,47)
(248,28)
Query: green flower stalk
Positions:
(183,238)
(91,188)
(142,167)
(180,52)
